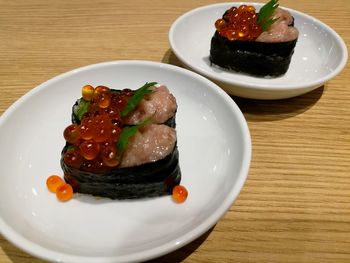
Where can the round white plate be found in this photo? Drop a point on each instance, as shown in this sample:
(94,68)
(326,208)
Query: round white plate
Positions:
(320,54)
(215,152)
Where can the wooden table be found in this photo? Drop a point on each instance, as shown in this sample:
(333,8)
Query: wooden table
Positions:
(295,205)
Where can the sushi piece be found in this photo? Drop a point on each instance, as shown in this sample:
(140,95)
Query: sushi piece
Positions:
(122,144)
(260,44)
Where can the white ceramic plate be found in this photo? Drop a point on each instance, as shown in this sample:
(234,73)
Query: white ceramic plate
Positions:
(215,151)
(320,54)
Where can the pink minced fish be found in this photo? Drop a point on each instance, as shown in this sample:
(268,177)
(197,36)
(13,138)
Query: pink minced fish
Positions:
(160,104)
(280,31)
(151,143)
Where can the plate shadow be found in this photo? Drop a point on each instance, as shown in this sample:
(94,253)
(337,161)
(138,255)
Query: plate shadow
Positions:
(274,110)
(265,110)
(182,253)
(169,57)
(16,255)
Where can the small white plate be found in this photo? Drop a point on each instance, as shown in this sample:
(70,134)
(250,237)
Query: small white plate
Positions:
(215,151)
(320,54)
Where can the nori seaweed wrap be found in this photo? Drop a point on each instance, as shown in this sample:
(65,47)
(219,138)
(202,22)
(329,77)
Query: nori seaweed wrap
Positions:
(151,179)
(241,44)
(252,57)
(146,180)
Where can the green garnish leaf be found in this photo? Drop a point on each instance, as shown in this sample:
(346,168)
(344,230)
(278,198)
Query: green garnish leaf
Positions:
(70,148)
(81,108)
(128,132)
(268,23)
(265,13)
(137,97)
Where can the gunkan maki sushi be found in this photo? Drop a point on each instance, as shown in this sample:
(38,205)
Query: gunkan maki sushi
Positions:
(260,44)
(122,144)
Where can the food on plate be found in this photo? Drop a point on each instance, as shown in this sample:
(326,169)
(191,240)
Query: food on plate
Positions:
(260,44)
(57,185)
(122,144)
(53,182)
(180,194)
(64,192)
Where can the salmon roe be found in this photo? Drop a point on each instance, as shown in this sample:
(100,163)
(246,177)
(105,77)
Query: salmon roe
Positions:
(53,182)
(239,24)
(92,142)
(88,92)
(64,192)
(180,194)
(56,184)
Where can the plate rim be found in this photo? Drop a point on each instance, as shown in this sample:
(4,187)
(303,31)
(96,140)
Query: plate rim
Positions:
(39,251)
(262,87)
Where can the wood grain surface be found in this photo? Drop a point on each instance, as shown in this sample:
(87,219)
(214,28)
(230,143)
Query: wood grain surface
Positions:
(295,205)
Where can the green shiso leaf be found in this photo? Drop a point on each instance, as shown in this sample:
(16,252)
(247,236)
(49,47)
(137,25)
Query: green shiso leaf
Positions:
(265,13)
(70,148)
(137,97)
(128,132)
(268,23)
(81,108)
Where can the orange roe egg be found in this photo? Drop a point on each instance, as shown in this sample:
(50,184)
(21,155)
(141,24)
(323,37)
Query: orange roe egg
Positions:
(88,92)
(53,182)
(251,8)
(87,129)
(64,192)
(180,194)
(102,128)
(102,89)
(89,149)
(110,156)
(102,134)
(115,132)
(231,34)
(243,31)
(242,7)
(73,158)
(89,166)
(104,100)
(72,133)
(220,23)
